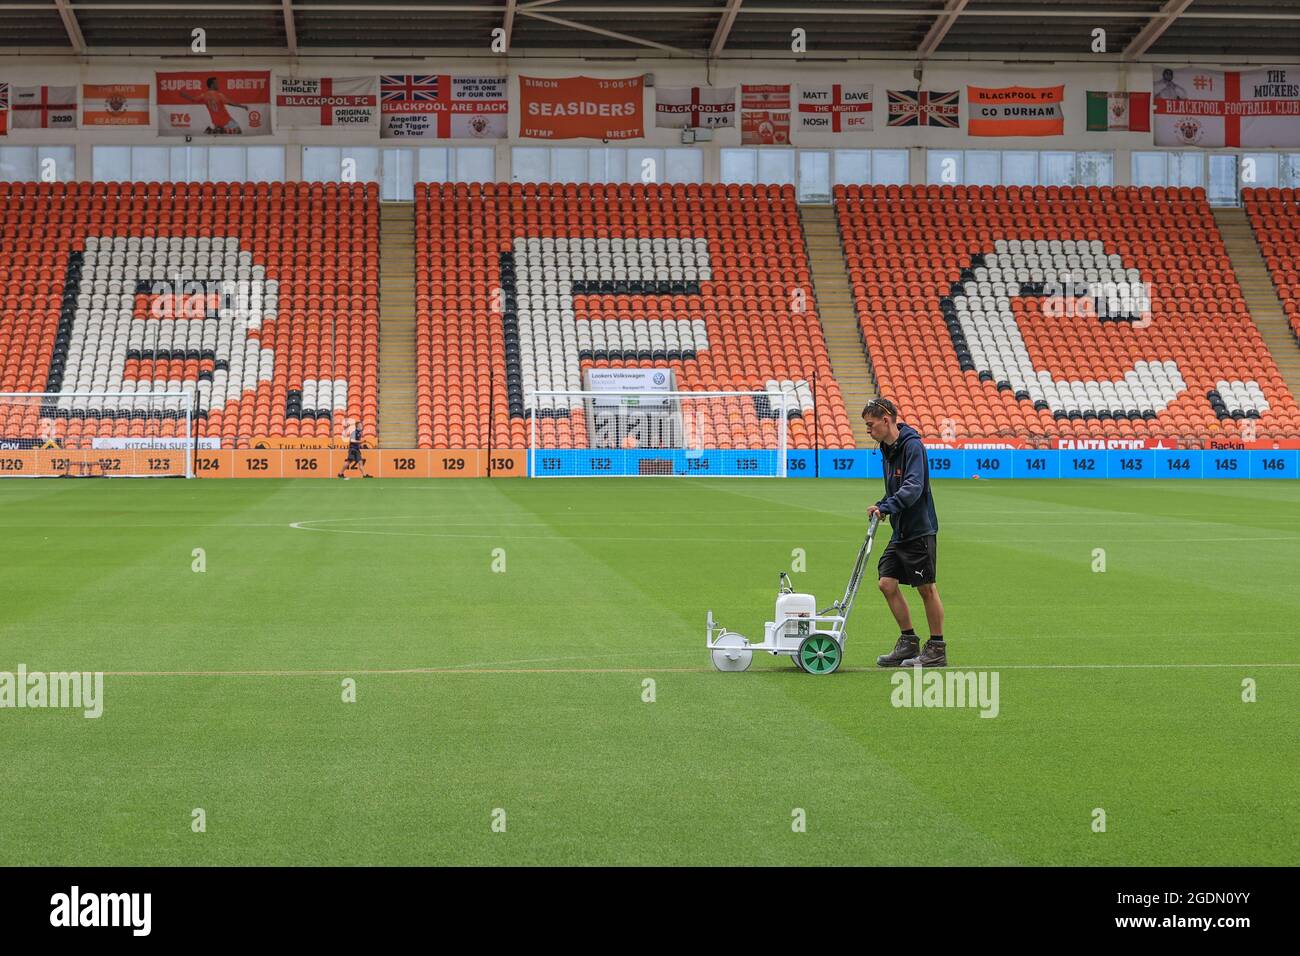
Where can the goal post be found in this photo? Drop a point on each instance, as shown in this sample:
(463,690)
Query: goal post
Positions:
(148,434)
(620,433)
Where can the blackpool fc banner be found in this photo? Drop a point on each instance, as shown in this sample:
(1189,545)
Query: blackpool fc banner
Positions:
(695,107)
(765,114)
(115,104)
(44,107)
(834,108)
(1015,111)
(348,102)
(428,106)
(924,108)
(217,103)
(570,107)
(1213,108)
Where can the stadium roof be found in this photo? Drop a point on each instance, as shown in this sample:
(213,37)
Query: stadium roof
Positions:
(1188,30)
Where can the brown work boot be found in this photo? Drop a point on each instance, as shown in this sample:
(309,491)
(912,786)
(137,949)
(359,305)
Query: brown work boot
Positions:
(935,654)
(906,648)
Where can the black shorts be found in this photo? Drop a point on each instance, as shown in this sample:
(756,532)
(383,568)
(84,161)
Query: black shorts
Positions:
(354,453)
(911,562)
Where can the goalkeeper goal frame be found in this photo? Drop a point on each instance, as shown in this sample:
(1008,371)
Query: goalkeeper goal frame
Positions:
(47,454)
(657,434)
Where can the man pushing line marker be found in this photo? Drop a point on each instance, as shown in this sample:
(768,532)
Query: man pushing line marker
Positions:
(912,553)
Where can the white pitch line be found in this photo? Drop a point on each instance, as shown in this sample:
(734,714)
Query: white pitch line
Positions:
(462,669)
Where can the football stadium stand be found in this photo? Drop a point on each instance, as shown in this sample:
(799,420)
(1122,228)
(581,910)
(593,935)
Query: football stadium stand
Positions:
(264,294)
(1058,312)
(521,287)
(1274,219)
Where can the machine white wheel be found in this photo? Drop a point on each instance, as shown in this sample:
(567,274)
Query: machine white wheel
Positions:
(731,652)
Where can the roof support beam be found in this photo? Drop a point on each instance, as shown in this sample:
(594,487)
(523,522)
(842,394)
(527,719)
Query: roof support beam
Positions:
(1155,28)
(939,29)
(72,26)
(725,24)
(290,28)
(508,22)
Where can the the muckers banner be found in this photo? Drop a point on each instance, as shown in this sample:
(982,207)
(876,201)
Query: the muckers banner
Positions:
(347,102)
(216,103)
(438,106)
(834,108)
(1215,109)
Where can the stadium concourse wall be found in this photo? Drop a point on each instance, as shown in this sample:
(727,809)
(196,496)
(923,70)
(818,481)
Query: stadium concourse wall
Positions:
(942,72)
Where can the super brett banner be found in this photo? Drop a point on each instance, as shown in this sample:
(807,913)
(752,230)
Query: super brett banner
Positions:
(576,107)
(1212,109)
(1015,111)
(218,103)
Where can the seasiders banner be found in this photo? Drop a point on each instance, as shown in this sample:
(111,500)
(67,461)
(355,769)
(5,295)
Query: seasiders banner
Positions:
(115,104)
(1215,109)
(695,107)
(347,102)
(834,108)
(573,107)
(217,103)
(1015,111)
(431,106)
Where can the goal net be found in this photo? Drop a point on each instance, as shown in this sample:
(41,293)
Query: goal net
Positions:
(654,433)
(97,434)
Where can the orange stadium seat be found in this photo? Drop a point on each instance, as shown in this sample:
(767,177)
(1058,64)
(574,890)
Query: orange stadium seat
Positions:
(1275,218)
(92,304)
(521,287)
(1045,312)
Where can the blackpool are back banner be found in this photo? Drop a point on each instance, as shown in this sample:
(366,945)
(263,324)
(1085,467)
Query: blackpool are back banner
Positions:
(1215,108)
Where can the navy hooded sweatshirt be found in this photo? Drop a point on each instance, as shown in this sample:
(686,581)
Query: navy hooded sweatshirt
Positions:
(907,498)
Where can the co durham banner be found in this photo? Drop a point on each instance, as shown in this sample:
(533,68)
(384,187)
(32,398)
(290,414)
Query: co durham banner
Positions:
(1015,111)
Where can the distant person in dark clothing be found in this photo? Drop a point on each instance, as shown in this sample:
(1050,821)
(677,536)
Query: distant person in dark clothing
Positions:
(354,452)
(912,553)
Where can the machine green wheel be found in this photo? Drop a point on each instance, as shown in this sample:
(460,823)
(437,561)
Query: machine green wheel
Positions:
(819,654)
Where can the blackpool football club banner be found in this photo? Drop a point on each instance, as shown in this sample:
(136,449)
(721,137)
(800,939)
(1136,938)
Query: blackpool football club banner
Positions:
(429,106)
(1214,109)
(215,103)
(695,107)
(572,107)
(765,114)
(834,108)
(44,107)
(115,104)
(346,102)
(1015,111)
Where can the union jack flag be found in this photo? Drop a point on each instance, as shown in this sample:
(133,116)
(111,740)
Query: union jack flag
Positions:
(408,88)
(924,108)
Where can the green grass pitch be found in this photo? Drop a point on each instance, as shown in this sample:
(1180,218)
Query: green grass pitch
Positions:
(522,689)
